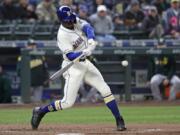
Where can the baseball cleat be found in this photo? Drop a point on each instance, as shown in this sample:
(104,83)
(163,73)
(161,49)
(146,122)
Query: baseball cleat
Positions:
(37,115)
(120,124)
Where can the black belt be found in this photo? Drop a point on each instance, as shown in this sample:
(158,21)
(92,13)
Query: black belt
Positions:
(82,59)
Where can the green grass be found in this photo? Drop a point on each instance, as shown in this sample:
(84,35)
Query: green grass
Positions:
(100,114)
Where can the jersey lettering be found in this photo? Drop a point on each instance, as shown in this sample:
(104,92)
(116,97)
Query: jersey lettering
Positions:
(78,42)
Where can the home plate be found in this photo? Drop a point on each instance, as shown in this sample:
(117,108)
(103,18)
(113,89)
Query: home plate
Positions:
(71,134)
(150,130)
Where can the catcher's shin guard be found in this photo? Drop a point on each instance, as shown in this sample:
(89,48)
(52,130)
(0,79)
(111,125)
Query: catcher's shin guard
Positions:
(37,115)
(120,124)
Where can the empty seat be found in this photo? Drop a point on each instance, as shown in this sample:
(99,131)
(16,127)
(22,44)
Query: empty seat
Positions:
(23,31)
(43,31)
(6,31)
(55,30)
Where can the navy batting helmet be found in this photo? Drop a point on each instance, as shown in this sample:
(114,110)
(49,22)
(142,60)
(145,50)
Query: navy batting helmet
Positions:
(65,14)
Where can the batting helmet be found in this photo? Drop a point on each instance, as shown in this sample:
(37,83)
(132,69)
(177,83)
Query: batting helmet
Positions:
(65,14)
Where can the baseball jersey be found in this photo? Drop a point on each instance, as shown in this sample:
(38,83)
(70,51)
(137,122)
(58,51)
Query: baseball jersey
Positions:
(161,64)
(72,40)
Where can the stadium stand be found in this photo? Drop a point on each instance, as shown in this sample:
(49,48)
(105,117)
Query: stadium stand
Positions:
(23,30)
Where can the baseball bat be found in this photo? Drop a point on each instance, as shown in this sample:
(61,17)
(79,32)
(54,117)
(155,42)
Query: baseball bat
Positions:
(62,70)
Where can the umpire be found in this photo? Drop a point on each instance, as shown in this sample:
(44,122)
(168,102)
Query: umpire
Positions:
(162,73)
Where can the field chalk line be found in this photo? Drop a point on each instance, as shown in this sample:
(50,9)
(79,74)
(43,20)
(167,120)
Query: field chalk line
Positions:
(71,134)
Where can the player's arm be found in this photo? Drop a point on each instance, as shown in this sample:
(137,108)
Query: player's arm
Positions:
(86,28)
(89,32)
(73,55)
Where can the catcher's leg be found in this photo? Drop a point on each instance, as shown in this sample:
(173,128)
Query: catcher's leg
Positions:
(72,85)
(95,79)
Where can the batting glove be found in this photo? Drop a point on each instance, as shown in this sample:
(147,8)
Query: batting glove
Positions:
(86,52)
(91,44)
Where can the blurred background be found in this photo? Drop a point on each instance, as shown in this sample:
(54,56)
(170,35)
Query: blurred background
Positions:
(146,33)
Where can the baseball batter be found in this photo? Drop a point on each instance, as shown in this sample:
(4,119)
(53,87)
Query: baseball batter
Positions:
(76,37)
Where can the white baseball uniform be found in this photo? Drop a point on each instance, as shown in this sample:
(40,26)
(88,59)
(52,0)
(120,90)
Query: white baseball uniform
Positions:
(75,41)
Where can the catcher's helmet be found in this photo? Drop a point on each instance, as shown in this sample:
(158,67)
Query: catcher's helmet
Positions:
(65,14)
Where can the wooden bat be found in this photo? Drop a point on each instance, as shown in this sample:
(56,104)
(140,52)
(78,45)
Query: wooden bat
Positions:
(62,70)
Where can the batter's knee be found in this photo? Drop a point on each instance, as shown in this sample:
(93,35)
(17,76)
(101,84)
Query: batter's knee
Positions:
(105,90)
(67,104)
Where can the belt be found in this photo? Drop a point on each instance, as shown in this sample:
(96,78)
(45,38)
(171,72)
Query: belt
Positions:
(82,59)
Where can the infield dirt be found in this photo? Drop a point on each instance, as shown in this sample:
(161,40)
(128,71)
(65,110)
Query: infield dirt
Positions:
(91,129)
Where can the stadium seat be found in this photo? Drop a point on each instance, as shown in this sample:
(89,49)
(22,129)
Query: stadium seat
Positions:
(127,34)
(43,31)
(6,30)
(55,30)
(23,31)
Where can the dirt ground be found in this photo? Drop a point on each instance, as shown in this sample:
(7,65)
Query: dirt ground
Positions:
(89,129)
(92,129)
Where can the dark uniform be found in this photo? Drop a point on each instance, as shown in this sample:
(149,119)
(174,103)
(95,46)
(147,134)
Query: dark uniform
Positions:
(5,89)
(162,64)
(38,75)
(162,67)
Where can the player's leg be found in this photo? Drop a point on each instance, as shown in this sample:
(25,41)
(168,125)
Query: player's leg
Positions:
(73,80)
(94,78)
(175,86)
(156,80)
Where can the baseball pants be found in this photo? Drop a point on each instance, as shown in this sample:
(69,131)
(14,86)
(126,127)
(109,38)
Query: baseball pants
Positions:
(37,93)
(81,71)
(157,79)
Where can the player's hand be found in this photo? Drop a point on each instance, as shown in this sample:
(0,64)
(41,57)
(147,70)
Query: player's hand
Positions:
(86,52)
(92,44)
(166,82)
